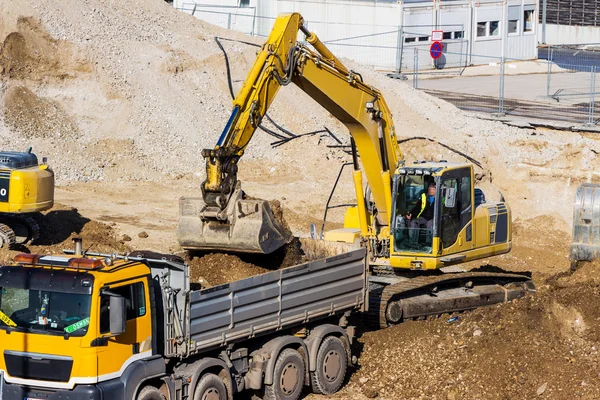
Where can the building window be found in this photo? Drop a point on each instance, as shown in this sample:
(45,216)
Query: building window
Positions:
(489,28)
(410,40)
(494,28)
(423,38)
(459,34)
(513,19)
(481,29)
(528,20)
(244,3)
(447,35)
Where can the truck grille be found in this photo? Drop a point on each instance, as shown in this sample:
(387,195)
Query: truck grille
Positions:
(41,367)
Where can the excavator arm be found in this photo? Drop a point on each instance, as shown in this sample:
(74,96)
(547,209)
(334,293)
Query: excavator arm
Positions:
(223,219)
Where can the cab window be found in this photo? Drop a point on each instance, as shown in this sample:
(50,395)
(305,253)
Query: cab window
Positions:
(450,213)
(457,214)
(135,302)
(408,237)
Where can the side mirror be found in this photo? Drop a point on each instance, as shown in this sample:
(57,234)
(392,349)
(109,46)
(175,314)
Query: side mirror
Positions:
(118,315)
(449,197)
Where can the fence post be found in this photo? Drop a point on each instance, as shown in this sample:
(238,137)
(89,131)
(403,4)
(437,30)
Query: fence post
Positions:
(253,22)
(399,49)
(229,21)
(416,69)
(592,95)
(549,71)
(501,94)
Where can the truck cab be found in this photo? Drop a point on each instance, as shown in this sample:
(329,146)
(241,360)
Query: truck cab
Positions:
(72,323)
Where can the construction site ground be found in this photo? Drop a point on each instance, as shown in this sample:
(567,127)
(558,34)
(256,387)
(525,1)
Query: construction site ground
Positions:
(122,96)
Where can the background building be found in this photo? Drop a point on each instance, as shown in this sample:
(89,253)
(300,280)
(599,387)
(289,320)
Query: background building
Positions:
(572,21)
(385,33)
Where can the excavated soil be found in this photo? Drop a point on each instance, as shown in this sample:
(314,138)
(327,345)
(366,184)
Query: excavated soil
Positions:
(60,225)
(217,268)
(542,346)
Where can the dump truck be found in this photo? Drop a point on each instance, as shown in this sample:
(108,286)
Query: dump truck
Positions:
(106,327)
(133,327)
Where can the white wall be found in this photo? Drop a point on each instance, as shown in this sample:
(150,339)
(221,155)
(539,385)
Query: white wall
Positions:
(565,34)
(370,32)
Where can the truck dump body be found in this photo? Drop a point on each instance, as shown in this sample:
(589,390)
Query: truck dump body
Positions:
(276,300)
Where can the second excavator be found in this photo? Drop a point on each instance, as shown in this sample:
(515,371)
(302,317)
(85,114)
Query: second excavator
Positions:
(406,251)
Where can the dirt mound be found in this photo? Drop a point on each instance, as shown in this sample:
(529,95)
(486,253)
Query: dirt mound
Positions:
(218,268)
(60,225)
(31,53)
(544,345)
(33,116)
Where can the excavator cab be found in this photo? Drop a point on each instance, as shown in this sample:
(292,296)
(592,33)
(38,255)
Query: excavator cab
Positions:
(408,234)
(463,227)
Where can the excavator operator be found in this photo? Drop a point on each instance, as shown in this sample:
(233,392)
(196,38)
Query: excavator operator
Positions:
(424,212)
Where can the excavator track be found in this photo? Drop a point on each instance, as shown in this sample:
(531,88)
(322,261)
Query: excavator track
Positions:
(440,294)
(7,236)
(24,228)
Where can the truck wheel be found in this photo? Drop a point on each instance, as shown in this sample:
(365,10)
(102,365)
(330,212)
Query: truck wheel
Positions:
(332,363)
(150,393)
(210,387)
(288,377)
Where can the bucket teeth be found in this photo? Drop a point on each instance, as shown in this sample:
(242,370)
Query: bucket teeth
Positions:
(245,226)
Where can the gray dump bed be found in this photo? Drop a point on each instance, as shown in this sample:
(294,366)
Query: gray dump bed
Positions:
(265,303)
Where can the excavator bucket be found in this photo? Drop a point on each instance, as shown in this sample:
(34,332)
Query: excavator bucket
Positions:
(586,224)
(245,226)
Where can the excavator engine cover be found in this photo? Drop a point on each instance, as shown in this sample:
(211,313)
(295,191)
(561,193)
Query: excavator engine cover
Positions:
(586,224)
(245,226)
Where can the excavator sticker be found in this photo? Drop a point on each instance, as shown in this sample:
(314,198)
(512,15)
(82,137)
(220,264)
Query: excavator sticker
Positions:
(77,325)
(4,318)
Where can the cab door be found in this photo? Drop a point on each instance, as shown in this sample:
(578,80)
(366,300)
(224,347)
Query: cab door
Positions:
(116,353)
(456,212)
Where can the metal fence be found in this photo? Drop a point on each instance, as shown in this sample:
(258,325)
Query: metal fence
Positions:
(563,86)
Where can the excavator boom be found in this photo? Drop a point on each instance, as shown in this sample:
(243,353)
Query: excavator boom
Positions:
(223,219)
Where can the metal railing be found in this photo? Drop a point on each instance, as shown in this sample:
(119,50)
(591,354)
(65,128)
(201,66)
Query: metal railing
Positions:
(562,88)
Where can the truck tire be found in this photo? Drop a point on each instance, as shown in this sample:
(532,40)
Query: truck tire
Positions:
(332,363)
(288,377)
(150,393)
(210,387)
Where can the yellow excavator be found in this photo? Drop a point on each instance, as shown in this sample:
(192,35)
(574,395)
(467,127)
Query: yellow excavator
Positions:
(462,227)
(26,188)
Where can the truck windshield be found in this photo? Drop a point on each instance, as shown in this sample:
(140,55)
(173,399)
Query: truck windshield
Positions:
(44,311)
(414,234)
